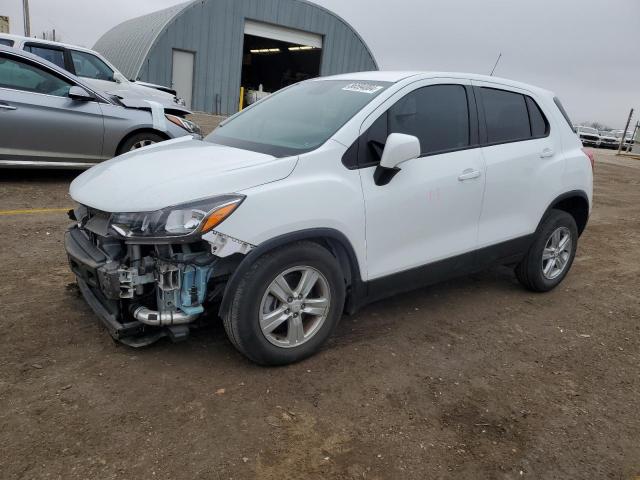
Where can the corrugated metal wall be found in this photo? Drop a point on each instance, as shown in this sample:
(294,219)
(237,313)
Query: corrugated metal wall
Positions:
(214,30)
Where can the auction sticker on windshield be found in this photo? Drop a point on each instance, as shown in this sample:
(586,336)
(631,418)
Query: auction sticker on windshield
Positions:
(363,88)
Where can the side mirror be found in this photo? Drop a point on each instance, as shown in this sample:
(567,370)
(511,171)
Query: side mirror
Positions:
(80,94)
(399,148)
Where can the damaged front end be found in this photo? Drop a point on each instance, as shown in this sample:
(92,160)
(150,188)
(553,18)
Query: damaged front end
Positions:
(155,274)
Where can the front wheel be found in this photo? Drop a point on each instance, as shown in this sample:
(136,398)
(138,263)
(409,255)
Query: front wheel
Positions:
(551,256)
(138,141)
(286,305)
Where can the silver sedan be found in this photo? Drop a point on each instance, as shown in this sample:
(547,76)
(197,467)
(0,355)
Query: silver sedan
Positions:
(50,118)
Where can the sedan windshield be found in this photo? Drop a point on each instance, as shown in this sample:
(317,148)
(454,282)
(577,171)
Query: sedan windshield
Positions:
(298,119)
(591,131)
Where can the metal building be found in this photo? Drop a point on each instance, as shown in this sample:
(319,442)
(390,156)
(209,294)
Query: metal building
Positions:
(208,49)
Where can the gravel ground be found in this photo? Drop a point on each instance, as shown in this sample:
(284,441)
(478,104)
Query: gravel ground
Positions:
(475,378)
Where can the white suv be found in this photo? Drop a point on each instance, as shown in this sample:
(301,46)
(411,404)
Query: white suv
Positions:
(326,196)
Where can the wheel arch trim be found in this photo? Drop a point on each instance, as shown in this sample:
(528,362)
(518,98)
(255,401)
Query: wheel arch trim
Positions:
(573,194)
(339,245)
(138,131)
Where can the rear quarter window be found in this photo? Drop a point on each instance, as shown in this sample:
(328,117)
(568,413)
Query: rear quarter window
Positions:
(539,123)
(6,42)
(564,113)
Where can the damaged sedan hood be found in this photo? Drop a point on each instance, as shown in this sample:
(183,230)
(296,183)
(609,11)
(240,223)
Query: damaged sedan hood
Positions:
(175,172)
(137,96)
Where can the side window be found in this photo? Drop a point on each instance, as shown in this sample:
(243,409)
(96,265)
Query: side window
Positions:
(6,42)
(90,66)
(438,115)
(506,115)
(539,123)
(20,75)
(53,55)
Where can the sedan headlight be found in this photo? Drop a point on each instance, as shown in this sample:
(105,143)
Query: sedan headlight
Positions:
(174,222)
(188,125)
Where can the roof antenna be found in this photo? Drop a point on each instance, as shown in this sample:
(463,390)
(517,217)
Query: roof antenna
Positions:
(496,65)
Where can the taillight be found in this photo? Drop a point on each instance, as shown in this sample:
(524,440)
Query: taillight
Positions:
(592,158)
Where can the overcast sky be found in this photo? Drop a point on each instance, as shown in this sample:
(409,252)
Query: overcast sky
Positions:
(588,52)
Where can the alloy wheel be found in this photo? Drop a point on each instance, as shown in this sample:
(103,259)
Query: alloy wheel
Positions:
(557,253)
(295,306)
(141,144)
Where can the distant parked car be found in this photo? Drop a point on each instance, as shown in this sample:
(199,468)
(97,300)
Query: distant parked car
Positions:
(628,139)
(590,137)
(609,140)
(50,118)
(96,71)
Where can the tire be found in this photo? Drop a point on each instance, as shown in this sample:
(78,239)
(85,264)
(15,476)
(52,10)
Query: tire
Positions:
(543,275)
(253,301)
(139,140)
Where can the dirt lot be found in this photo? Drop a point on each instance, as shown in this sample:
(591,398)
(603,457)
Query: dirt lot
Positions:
(473,379)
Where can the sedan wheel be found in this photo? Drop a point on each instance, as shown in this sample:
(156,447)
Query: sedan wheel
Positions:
(141,144)
(294,307)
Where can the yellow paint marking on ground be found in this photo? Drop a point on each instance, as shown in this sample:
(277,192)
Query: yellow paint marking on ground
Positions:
(5,213)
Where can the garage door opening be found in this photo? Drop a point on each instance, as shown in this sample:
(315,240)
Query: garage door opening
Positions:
(275,57)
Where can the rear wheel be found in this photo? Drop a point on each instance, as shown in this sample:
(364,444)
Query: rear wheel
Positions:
(140,140)
(551,256)
(286,306)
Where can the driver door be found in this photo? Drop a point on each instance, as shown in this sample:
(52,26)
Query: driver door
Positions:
(38,120)
(430,210)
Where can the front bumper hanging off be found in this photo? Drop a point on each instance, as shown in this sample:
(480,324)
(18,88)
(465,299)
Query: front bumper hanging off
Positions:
(138,305)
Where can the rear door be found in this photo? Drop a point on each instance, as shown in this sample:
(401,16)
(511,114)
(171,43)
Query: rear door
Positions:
(524,162)
(430,210)
(38,120)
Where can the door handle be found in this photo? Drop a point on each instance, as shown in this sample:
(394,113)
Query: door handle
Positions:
(5,106)
(469,174)
(547,153)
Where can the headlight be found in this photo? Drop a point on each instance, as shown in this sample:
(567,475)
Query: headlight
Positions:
(174,222)
(188,125)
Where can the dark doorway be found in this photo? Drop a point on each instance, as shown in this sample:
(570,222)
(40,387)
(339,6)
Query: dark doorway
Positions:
(275,64)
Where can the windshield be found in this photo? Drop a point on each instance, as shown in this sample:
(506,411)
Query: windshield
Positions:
(298,119)
(588,130)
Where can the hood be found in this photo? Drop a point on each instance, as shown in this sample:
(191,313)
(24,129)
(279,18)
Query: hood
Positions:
(133,95)
(175,172)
